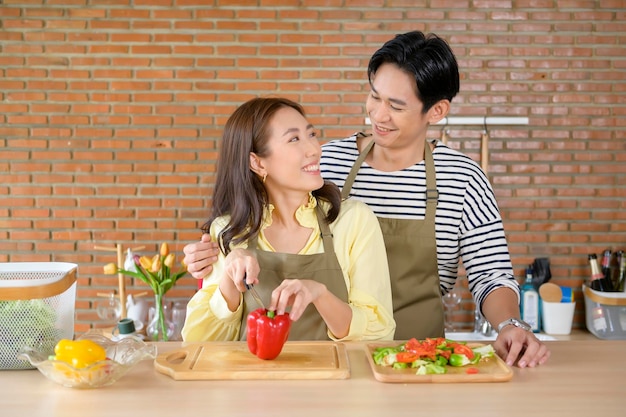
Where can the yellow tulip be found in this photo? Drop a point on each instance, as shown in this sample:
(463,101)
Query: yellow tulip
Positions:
(156,263)
(169,260)
(145,262)
(110,269)
(165,250)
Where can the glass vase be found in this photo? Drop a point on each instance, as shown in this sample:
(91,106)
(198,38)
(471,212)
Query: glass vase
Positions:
(161,327)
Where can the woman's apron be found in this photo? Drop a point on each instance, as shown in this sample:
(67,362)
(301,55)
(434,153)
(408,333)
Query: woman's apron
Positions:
(412,256)
(276,267)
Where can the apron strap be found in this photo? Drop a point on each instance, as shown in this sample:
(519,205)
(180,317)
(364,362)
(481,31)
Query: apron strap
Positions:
(347,186)
(327,236)
(432,195)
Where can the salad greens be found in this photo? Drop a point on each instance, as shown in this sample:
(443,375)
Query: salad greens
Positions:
(430,356)
(25,323)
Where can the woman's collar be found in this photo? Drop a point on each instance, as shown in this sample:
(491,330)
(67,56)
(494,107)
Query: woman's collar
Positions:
(305,214)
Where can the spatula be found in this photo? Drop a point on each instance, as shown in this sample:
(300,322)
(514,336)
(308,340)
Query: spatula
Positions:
(550,292)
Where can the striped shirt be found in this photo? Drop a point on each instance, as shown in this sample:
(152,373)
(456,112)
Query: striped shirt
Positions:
(468,225)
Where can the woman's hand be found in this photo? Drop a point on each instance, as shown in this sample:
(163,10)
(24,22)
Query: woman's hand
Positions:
(200,257)
(297,294)
(239,264)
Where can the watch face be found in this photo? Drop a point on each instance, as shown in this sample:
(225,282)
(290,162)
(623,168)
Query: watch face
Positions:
(515,322)
(523,324)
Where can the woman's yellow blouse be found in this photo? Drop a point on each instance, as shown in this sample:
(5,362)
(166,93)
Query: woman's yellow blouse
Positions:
(360,250)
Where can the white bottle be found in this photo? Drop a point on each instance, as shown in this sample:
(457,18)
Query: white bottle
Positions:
(124,329)
(529,307)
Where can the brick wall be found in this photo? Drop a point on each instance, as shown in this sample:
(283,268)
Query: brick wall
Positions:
(110,112)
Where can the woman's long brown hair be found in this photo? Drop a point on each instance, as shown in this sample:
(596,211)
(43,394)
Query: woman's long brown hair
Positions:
(238,191)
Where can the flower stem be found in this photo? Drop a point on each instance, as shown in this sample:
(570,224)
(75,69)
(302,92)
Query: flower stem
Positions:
(161,327)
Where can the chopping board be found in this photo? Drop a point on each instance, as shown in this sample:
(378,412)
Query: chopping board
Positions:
(233,360)
(489,370)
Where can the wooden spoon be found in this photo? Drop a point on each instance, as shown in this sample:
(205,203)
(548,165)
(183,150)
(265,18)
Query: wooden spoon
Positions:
(550,292)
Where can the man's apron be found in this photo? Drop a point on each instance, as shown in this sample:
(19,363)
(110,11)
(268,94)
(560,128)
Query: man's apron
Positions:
(412,256)
(320,267)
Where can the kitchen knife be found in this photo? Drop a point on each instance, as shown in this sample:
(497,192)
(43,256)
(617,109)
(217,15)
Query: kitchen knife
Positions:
(255,294)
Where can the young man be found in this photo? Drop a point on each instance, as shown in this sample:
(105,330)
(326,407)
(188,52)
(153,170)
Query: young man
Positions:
(435,205)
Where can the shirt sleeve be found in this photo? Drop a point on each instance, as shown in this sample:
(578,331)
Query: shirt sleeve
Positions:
(483,244)
(360,249)
(208,317)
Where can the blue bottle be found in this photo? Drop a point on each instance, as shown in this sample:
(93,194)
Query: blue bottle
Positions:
(529,305)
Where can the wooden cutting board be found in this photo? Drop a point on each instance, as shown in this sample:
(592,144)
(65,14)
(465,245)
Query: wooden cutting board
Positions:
(233,360)
(489,370)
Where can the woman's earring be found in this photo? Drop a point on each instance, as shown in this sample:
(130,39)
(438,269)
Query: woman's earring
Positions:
(264,177)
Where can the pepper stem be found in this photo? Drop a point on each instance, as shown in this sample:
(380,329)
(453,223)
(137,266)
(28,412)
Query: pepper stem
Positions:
(270,314)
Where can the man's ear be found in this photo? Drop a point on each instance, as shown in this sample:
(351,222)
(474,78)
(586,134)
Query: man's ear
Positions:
(438,111)
(256,165)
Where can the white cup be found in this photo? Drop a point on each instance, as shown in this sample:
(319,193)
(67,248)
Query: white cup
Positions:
(558,317)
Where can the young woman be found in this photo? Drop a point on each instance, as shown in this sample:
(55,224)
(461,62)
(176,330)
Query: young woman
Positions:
(283,229)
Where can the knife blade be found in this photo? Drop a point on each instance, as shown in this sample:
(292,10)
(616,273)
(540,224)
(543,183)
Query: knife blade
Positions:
(255,294)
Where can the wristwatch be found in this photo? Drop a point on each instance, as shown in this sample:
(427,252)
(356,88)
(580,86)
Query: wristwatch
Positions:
(515,322)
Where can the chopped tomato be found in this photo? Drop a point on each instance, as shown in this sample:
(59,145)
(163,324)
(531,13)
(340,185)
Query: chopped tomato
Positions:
(425,349)
(412,344)
(444,352)
(471,370)
(464,350)
(406,357)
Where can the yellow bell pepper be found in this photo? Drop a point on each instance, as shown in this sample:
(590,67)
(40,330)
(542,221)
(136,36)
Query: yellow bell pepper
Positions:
(79,353)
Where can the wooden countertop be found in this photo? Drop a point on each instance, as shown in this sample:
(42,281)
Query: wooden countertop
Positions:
(585,376)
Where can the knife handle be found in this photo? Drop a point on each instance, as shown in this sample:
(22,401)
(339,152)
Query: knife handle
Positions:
(245,283)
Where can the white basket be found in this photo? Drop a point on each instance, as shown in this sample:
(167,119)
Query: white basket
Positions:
(605,313)
(37,304)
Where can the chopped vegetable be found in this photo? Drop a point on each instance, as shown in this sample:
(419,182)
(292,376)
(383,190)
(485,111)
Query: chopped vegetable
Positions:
(457,359)
(430,356)
(431,368)
(464,350)
(486,351)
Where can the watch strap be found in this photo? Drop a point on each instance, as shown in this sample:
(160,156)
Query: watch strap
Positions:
(514,322)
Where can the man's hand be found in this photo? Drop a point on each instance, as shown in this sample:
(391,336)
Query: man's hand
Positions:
(200,257)
(518,345)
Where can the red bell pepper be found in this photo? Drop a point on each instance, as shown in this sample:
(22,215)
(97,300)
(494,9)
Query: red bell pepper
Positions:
(267,333)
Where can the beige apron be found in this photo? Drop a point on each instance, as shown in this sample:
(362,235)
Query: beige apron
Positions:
(412,256)
(320,267)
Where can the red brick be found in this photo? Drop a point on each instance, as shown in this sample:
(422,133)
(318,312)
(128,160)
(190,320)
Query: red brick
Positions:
(277,26)
(234,25)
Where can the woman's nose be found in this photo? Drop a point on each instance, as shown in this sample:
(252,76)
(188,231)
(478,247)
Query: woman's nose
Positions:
(314,148)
